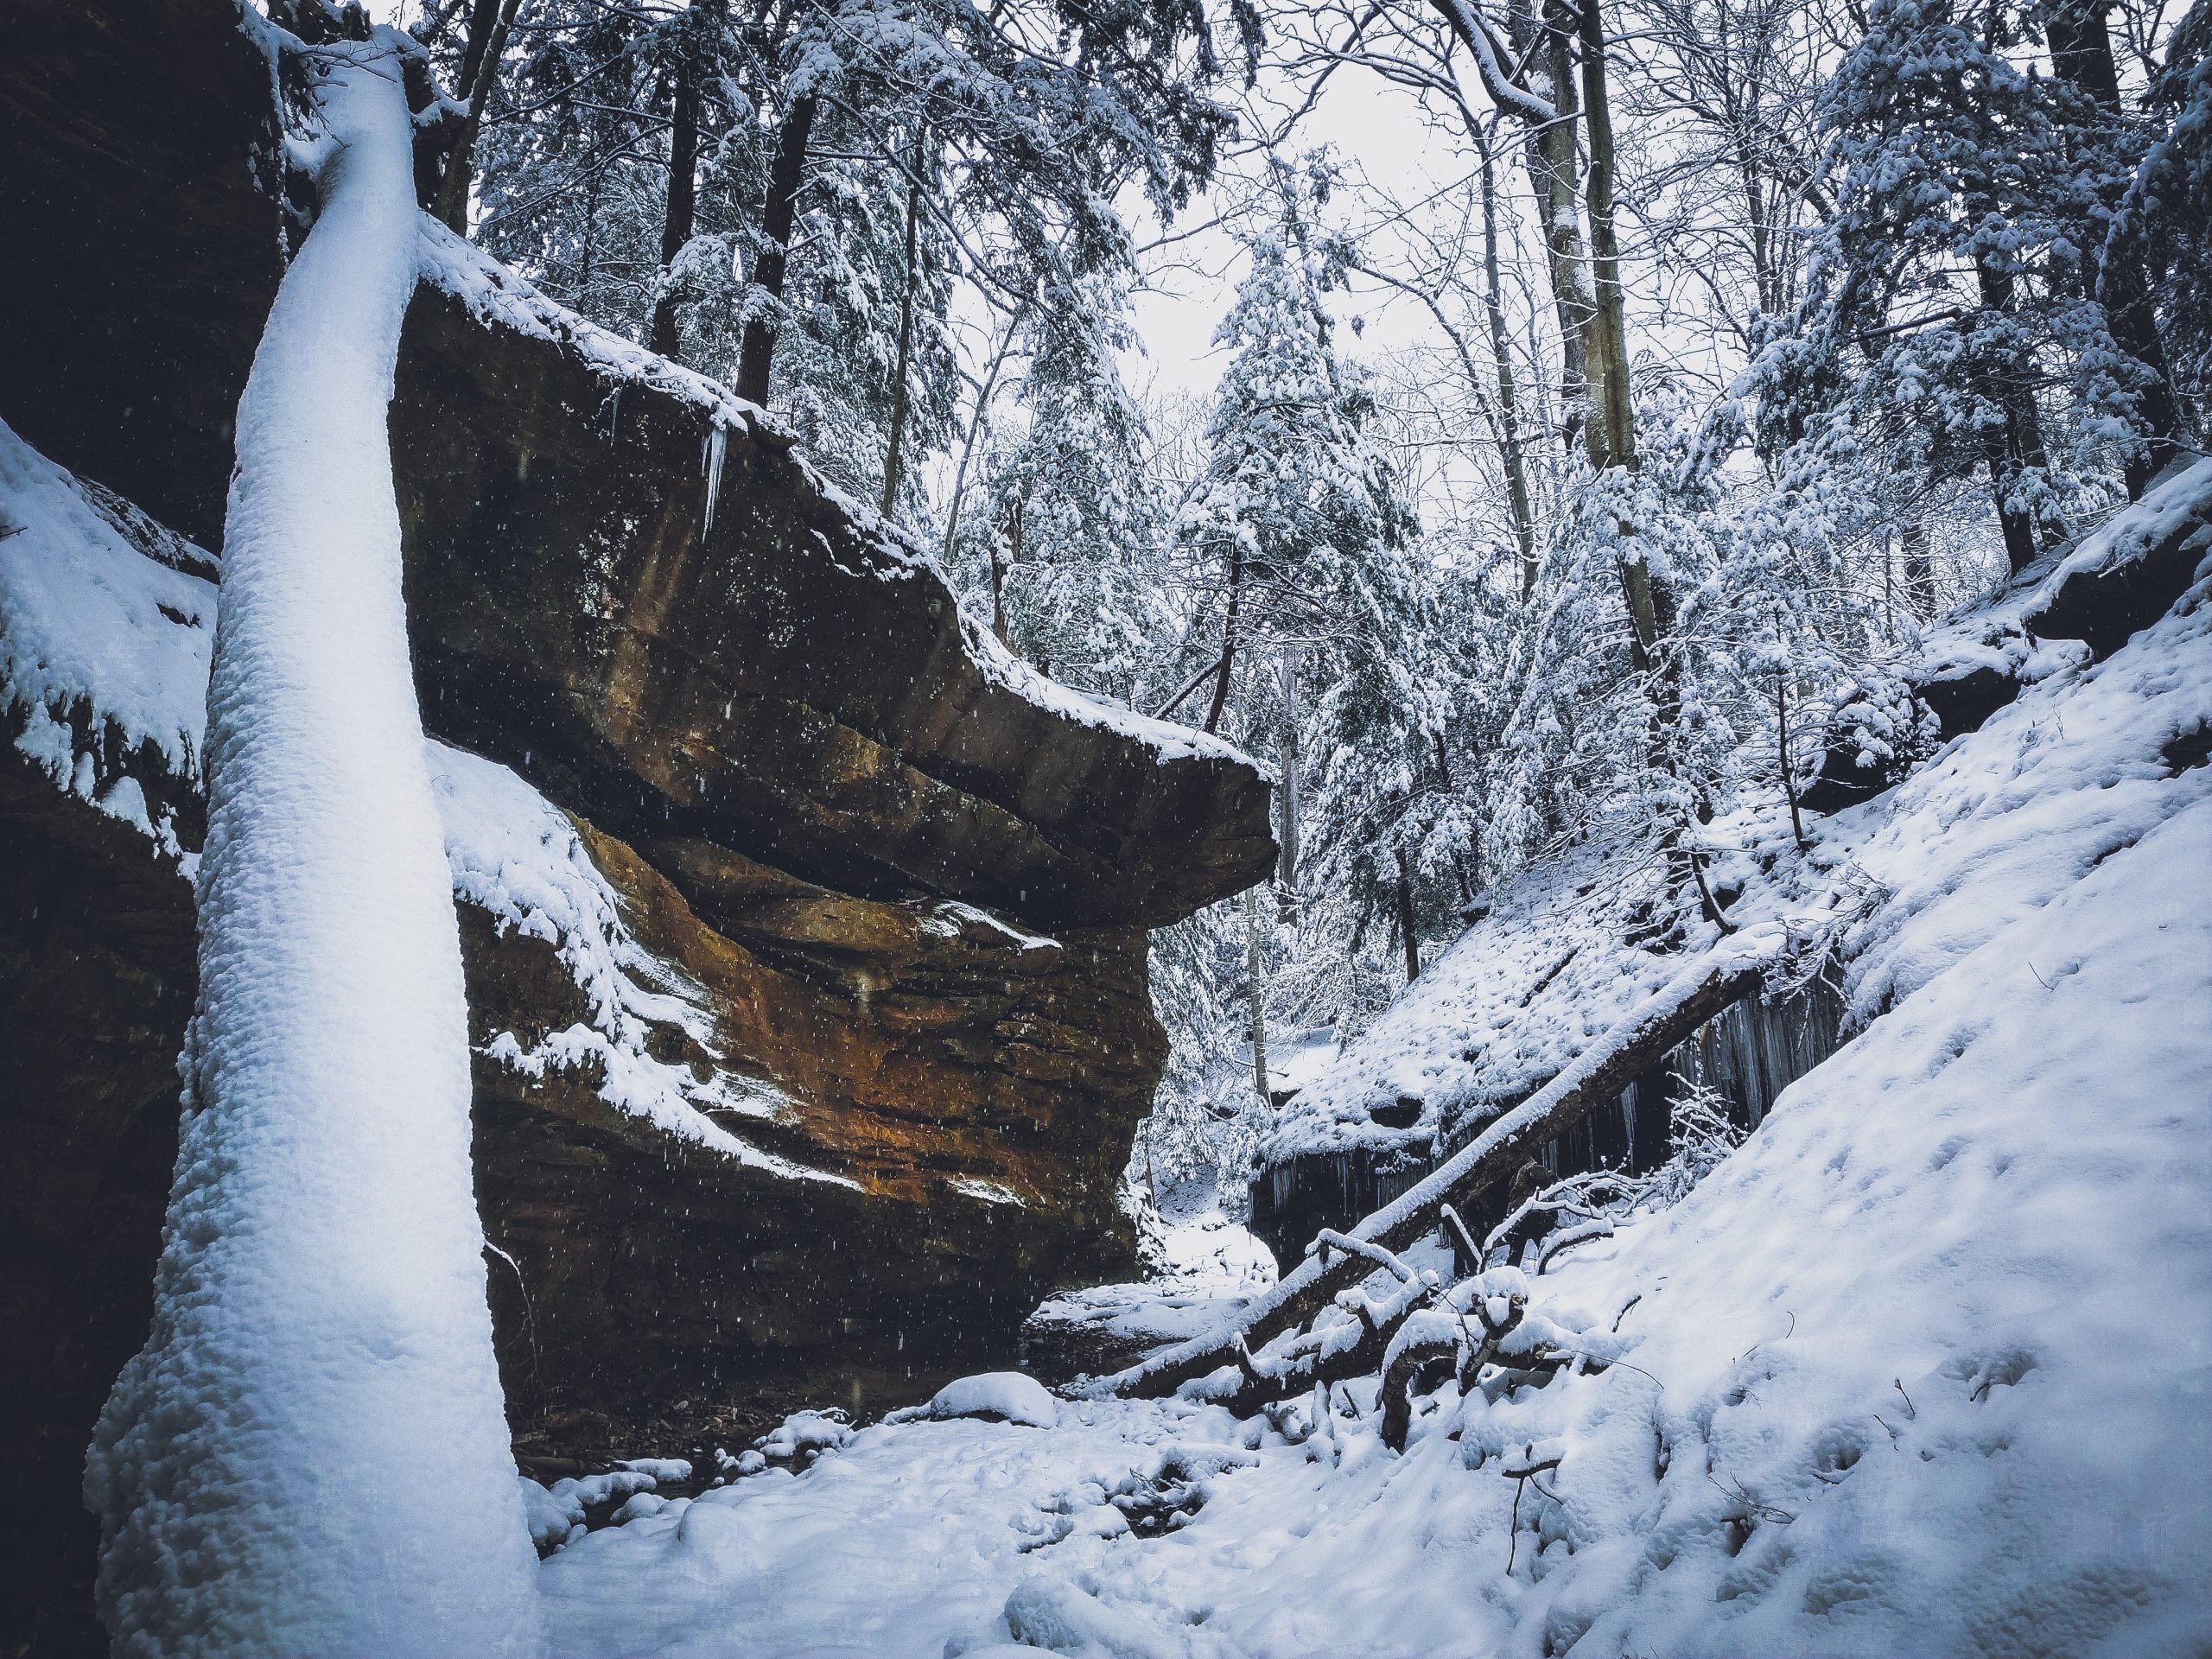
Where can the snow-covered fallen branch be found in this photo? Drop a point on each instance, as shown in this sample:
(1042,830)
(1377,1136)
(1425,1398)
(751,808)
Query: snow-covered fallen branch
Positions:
(1728,972)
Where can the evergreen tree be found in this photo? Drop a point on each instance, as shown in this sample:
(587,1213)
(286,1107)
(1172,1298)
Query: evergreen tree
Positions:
(1952,325)
(741,187)
(1073,526)
(1292,500)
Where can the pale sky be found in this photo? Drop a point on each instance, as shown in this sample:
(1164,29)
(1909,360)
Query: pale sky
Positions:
(1375,129)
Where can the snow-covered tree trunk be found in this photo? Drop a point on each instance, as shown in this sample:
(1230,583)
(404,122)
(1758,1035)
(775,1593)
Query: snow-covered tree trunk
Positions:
(1255,993)
(1286,869)
(310,1454)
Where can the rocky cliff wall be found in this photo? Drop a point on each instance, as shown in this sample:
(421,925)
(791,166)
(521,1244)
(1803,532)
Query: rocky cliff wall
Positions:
(880,1027)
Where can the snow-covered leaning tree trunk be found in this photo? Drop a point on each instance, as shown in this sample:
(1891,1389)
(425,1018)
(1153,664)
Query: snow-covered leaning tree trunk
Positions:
(310,1454)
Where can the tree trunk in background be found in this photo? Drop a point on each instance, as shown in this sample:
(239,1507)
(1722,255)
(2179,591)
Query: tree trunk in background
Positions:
(1611,433)
(2081,53)
(998,584)
(786,177)
(967,453)
(899,389)
(1287,898)
(702,25)
(1406,929)
(483,20)
(999,571)
(1508,414)
(1228,642)
(1468,881)
(1919,574)
(1256,992)
(479,70)
(2081,50)
(1781,755)
(2014,447)
(1551,173)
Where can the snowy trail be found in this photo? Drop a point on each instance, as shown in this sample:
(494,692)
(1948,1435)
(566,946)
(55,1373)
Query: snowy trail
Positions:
(310,1455)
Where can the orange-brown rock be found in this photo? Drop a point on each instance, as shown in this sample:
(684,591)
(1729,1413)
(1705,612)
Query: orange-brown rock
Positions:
(975,1085)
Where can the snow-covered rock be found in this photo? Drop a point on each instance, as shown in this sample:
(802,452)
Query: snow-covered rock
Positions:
(1007,1395)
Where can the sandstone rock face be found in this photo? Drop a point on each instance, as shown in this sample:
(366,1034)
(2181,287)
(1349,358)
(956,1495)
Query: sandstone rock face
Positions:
(775,672)
(972,1086)
(903,884)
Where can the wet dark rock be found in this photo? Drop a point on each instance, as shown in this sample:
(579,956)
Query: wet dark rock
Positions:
(96,983)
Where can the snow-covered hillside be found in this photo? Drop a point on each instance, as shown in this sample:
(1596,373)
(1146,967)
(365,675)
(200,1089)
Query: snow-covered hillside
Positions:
(1922,1369)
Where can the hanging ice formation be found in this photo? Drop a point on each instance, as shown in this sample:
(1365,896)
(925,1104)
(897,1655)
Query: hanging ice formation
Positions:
(710,460)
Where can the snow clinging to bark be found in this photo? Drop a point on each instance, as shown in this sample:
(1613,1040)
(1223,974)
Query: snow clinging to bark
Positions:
(310,1453)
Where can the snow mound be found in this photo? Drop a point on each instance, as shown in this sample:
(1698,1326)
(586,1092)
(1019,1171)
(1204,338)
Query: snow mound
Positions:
(801,1436)
(1008,1394)
(2000,633)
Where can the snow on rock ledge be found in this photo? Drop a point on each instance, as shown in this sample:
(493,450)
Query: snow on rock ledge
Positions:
(106,629)
(518,859)
(106,625)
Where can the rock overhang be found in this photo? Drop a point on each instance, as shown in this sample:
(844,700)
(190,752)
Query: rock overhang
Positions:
(873,737)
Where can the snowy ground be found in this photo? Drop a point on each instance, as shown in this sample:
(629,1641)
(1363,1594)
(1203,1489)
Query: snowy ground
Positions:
(1925,1368)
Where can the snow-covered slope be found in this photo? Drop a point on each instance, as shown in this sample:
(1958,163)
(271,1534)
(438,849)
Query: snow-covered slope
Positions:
(1923,1368)
(1564,951)
(1514,999)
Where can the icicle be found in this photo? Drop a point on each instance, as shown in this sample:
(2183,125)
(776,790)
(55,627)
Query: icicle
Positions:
(710,460)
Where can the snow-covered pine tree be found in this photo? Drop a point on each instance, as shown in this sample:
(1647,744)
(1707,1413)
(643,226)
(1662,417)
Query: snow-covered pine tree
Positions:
(1952,326)
(1330,649)
(1293,500)
(1071,528)
(807,140)
(2164,226)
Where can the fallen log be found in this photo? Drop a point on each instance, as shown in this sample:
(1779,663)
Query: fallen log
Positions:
(1599,1074)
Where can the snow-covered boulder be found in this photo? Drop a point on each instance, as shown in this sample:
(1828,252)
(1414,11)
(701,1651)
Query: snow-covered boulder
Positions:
(1007,1396)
